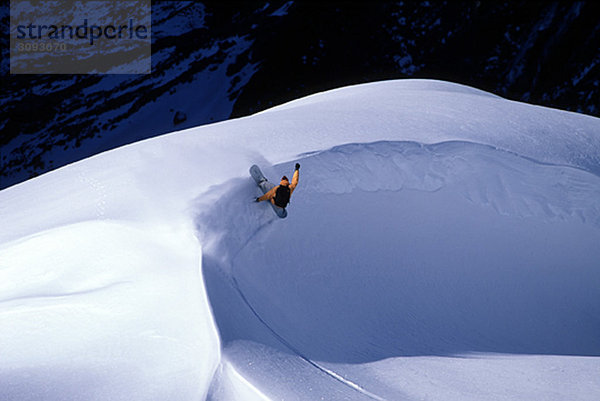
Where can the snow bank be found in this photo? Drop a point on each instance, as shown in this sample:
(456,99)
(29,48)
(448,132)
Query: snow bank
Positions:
(103,310)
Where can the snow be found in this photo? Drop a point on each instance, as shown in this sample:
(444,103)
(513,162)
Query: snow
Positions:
(87,313)
(283,10)
(441,244)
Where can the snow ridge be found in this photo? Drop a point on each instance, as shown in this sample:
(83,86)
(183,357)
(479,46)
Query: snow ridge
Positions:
(510,183)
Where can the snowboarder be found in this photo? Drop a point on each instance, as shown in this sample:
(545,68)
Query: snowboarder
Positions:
(280,195)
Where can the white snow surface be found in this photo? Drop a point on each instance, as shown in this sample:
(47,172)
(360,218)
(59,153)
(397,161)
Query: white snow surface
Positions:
(442,245)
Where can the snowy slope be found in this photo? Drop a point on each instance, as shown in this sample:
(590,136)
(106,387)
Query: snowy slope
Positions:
(442,244)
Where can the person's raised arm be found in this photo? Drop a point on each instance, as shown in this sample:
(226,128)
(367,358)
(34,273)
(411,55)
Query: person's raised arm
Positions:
(295,178)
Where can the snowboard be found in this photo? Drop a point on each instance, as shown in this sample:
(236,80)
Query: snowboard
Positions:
(265,186)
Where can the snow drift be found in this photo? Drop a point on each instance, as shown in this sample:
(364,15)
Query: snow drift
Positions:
(398,249)
(442,243)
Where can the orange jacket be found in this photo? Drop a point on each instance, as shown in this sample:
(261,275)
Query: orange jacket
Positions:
(271,194)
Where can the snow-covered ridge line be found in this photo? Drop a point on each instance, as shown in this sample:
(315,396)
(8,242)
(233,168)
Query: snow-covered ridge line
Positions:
(423,111)
(408,85)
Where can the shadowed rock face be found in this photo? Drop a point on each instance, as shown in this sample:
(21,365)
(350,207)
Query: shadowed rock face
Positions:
(211,62)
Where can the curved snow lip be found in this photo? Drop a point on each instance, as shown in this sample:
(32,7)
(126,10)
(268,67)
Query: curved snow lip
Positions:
(404,249)
(404,85)
(101,310)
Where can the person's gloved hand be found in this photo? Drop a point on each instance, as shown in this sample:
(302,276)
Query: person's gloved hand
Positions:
(297,166)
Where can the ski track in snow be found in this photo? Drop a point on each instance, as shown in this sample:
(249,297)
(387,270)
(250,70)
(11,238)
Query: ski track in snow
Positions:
(289,346)
(283,341)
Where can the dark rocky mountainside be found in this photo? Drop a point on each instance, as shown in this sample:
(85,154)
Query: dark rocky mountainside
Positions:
(212,61)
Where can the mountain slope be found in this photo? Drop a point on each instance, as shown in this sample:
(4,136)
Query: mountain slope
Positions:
(442,243)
